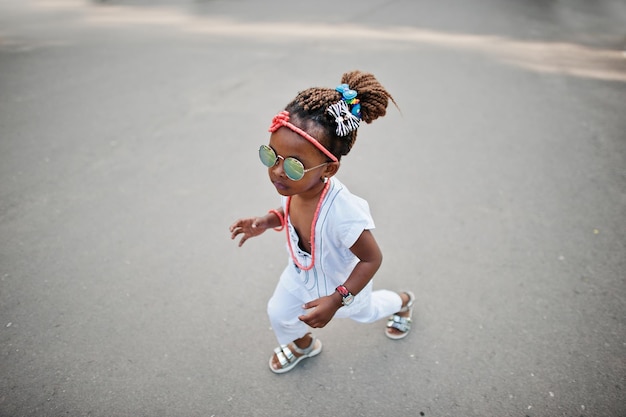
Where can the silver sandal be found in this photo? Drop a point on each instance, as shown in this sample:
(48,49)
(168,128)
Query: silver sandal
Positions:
(400,323)
(288,360)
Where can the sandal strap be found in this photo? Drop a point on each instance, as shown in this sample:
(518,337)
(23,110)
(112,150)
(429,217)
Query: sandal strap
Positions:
(400,323)
(408,305)
(284,355)
(307,350)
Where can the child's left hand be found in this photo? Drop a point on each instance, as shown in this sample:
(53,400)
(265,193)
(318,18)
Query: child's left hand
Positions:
(323,310)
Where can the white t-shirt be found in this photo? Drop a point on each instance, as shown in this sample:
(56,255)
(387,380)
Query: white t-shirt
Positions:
(342,219)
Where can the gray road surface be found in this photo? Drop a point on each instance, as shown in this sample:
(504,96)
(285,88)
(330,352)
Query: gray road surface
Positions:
(128,137)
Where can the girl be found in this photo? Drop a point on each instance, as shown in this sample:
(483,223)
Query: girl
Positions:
(333,253)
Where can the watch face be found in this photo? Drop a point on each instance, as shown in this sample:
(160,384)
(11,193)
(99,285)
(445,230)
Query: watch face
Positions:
(348,299)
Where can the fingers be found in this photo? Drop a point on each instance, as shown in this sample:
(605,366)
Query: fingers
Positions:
(240,230)
(241,225)
(312,318)
(235,231)
(237,228)
(313,322)
(237,224)
(320,312)
(309,320)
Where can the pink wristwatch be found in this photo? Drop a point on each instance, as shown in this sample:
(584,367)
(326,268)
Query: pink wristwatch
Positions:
(347,297)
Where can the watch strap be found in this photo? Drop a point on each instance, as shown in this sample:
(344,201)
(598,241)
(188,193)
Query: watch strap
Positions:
(343,291)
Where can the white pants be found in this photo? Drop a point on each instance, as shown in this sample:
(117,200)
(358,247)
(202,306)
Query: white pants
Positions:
(284,308)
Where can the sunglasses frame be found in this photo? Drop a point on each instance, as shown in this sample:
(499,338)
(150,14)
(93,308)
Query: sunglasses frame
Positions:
(287,166)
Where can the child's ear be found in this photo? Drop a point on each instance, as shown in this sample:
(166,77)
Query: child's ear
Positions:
(330,169)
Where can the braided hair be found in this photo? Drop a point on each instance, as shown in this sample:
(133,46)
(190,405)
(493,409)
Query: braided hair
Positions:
(309,110)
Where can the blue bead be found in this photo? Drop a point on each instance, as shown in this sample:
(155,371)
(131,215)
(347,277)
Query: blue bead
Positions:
(349,94)
(342,87)
(356,110)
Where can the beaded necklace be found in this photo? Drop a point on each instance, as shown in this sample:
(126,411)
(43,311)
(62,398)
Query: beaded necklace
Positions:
(313,224)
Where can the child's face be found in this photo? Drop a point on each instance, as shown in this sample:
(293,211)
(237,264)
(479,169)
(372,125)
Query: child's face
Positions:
(287,143)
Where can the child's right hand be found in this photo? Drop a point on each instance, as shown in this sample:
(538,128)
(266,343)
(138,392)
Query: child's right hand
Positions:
(251,227)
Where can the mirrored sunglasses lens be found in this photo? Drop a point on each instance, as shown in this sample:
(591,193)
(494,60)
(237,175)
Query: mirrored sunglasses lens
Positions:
(293,168)
(267,156)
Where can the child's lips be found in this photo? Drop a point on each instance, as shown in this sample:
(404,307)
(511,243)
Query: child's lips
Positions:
(280,186)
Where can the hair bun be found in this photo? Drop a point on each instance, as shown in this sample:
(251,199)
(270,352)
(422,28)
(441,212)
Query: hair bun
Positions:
(371,94)
(309,110)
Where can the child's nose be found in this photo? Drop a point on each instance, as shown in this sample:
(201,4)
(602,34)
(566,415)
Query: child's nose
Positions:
(278,167)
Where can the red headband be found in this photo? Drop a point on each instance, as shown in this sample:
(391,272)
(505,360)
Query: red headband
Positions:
(282,119)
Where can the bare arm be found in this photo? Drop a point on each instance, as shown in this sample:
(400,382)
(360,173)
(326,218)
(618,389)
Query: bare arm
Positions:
(370,259)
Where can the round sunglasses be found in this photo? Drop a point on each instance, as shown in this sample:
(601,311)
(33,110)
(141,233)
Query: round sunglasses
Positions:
(294,169)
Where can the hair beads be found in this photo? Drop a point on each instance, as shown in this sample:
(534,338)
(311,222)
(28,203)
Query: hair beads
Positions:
(311,110)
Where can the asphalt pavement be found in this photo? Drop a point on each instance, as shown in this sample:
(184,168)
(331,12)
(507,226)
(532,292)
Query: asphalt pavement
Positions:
(128,144)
